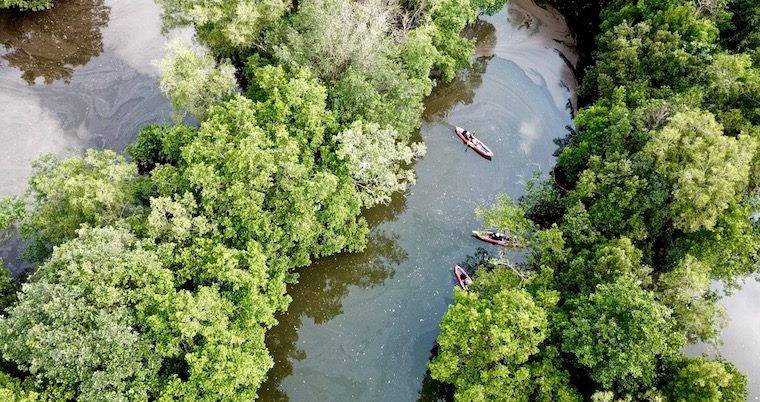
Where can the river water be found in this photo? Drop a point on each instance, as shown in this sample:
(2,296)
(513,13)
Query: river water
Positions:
(361,326)
(77,76)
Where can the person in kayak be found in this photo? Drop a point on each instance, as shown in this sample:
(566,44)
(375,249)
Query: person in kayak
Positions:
(497,236)
(468,135)
(465,279)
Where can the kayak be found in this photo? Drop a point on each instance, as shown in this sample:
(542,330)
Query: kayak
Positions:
(474,143)
(484,236)
(461,276)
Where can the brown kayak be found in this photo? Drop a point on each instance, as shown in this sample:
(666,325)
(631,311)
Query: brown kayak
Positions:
(469,139)
(461,276)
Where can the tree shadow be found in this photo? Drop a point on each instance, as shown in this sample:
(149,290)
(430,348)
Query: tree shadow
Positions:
(461,90)
(484,34)
(49,44)
(321,288)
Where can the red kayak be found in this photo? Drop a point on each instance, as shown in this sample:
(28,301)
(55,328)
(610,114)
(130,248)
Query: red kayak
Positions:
(489,238)
(469,139)
(461,276)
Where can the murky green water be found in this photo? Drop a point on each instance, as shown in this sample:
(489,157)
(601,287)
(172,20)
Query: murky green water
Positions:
(361,326)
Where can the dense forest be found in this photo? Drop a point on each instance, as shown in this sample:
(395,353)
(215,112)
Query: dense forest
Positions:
(157,275)
(649,216)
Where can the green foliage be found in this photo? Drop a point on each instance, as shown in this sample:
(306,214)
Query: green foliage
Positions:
(257,164)
(158,145)
(744,31)
(225,26)
(11,211)
(329,36)
(377,161)
(76,327)
(708,171)
(506,216)
(255,192)
(11,391)
(96,190)
(687,290)
(700,380)
(620,333)
(212,335)
(733,92)
(193,82)
(653,51)
(376,71)
(8,288)
(32,5)
(489,343)
(448,18)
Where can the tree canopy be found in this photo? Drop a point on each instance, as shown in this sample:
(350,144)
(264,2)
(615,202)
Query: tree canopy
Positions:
(194,81)
(159,276)
(31,5)
(651,201)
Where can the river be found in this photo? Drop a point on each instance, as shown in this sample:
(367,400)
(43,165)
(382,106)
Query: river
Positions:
(361,326)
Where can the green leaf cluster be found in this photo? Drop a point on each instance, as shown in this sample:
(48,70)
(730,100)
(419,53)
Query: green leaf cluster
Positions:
(225,26)
(194,81)
(24,5)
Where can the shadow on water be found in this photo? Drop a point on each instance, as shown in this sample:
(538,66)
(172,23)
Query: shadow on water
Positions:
(484,34)
(433,390)
(321,287)
(459,91)
(462,89)
(49,44)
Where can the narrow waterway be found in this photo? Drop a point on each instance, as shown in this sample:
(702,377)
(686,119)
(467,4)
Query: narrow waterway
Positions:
(361,325)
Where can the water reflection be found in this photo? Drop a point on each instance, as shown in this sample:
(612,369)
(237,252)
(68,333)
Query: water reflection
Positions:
(462,89)
(433,390)
(459,91)
(320,290)
(484,34)
(49,44)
